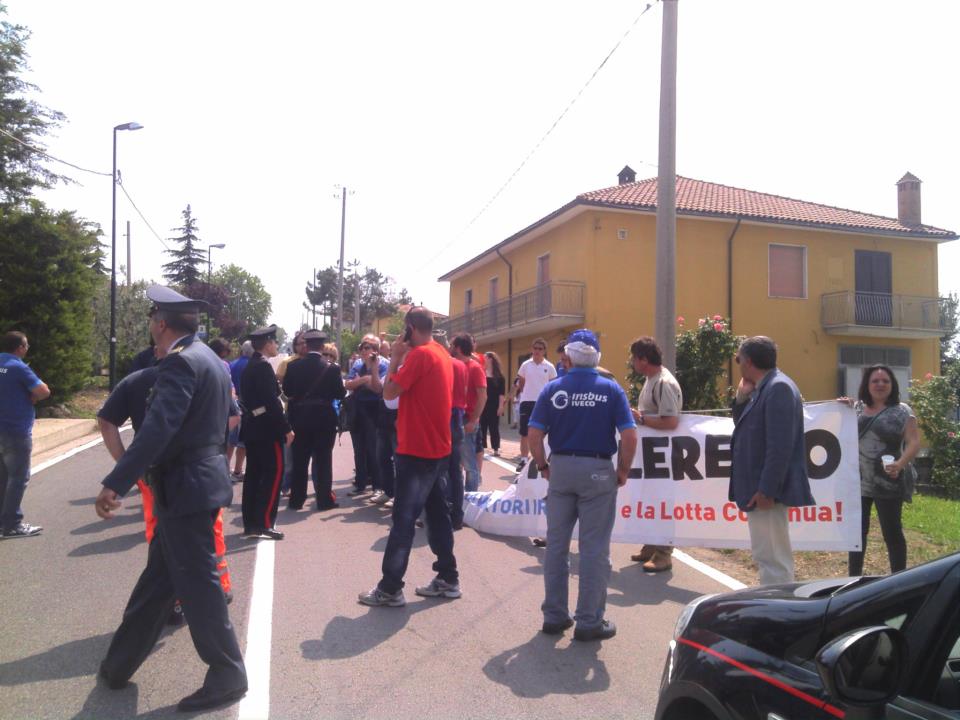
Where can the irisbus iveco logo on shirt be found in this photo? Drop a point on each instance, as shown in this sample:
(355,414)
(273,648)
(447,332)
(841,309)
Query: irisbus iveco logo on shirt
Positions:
(562,399)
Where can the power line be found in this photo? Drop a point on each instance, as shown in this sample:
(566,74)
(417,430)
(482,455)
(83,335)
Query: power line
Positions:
(142,217)
(546,134)
(51,157)
(87,170)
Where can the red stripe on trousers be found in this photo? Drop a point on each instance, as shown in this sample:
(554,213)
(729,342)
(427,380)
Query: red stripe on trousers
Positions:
(278,451)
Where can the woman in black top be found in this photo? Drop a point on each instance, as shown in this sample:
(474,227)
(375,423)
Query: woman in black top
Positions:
(496,395)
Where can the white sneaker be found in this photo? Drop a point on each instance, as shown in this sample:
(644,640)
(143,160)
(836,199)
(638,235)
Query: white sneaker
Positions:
(438,587)
(388,503)
(375,498)
(382,499)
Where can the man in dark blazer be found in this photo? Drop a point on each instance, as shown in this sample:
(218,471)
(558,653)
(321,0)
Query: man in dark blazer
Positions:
(768,473)
(180,450)
(264,430)
(312,386)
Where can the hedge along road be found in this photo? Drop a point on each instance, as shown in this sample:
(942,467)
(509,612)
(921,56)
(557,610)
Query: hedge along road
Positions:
(312,651)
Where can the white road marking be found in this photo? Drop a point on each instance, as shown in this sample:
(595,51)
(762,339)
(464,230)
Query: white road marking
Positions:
(501,462)
(710,572)
(256,704)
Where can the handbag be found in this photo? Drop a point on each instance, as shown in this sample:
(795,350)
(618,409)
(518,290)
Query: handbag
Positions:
(348,414)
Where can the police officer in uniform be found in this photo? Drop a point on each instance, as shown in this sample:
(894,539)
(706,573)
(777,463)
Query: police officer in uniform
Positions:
(312,385)
(180,450)
(581,413)
(264,430)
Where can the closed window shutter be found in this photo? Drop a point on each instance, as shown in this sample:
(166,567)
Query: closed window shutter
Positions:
(786,271)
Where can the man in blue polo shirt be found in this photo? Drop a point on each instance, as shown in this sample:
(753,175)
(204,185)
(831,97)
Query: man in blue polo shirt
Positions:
(581,412)
(20,390)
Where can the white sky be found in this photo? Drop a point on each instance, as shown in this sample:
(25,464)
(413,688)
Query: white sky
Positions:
(254,112)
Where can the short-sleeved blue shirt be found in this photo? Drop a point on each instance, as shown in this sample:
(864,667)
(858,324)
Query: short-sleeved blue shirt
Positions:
(359,369)
(16,407)
(581,412)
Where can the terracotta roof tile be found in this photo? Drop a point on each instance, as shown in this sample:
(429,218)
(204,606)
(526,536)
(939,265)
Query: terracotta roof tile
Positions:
(704,198)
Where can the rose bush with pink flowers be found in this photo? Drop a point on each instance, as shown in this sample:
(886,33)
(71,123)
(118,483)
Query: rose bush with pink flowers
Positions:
(934,401)
(703,356)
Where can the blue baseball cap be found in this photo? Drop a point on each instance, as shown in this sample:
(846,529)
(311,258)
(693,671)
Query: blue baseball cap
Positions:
(586,337)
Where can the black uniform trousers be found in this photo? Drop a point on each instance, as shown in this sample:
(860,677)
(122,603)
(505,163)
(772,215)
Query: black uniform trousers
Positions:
(316,442)
(261,484)
(363,434)
(181,563)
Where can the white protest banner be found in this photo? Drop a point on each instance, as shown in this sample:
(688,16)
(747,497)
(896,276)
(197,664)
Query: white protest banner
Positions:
(677,492)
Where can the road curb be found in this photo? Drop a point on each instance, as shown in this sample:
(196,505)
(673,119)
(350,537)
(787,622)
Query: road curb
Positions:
(51,433)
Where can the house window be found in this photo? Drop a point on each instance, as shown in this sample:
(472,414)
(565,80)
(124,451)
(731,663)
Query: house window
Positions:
(855,358)
(468,300)
(787,271)
(494,289)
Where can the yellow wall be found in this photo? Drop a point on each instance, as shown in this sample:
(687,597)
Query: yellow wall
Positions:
(620,274)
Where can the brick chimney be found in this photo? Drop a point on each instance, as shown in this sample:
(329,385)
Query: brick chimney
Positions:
(908,199)
(627,175)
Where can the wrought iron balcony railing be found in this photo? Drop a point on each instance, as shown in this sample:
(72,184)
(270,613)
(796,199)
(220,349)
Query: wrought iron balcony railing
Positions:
(557,299)
(870,310)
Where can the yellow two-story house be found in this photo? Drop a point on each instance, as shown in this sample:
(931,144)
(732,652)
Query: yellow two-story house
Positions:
(836,289)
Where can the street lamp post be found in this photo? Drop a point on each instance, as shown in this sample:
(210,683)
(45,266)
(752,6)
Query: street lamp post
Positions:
(219,246)
(113,255)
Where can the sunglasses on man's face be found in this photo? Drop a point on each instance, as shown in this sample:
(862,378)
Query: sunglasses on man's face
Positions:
(367,347)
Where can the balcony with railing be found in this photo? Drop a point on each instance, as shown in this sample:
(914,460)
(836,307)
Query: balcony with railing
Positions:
(546,307)
(882,315)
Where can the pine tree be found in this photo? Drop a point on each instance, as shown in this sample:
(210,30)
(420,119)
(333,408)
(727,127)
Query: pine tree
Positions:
(23,122)
(186,267)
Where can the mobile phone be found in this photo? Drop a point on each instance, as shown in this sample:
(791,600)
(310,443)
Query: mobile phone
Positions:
(408,334)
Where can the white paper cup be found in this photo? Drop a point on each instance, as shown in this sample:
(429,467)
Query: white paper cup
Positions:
(887,460)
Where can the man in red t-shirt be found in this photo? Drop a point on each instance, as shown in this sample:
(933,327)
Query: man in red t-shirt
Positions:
(462,349)
(454,473)
(421,375)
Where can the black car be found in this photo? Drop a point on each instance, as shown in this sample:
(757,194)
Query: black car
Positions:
(871,647)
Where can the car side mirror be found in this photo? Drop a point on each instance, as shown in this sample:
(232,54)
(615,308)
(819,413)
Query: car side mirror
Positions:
(863,667)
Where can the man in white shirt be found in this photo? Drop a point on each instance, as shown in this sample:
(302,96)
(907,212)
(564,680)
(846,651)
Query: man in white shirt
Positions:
(534,374)
(660,404)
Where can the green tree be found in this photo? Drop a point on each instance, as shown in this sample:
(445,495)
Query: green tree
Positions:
(247,299)
(950,319)
(188,260)
(47,285)
(23,122)
(133,333)
(377,296)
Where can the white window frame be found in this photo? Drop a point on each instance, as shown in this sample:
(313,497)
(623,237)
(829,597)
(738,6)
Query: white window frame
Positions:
(787,297)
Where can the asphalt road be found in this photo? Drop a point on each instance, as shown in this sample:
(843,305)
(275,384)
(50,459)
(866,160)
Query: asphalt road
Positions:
(481,656)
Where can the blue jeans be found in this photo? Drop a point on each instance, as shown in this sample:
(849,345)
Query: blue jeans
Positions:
(420,486)
(453,474)
(386,448)
(468,456)
(14,474)
(583,489)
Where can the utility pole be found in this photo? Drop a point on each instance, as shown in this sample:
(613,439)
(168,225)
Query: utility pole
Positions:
(313,295)
(128,253)
(343,226)
(666,277)
(356,296)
